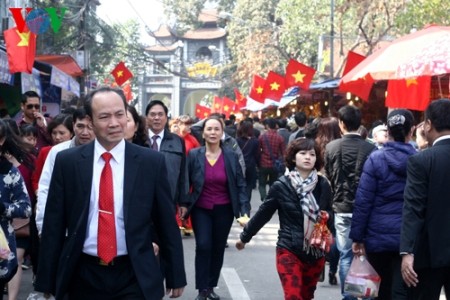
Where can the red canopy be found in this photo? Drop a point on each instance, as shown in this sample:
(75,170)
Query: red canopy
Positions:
(65,63)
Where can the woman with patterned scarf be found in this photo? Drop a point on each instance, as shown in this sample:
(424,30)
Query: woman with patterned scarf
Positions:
(303,201)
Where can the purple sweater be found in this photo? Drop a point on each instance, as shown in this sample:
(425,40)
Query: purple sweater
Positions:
(215,190)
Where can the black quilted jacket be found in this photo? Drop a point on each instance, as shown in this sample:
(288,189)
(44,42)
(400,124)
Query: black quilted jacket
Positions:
(282,197)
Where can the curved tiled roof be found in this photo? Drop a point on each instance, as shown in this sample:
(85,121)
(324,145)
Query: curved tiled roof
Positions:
(205,34)
(162,48)
(163,31)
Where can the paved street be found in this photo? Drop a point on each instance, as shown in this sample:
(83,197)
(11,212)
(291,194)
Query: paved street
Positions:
(246,275)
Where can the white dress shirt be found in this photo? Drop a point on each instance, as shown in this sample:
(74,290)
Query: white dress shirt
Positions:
(44,180)
(158,141)
(118,166)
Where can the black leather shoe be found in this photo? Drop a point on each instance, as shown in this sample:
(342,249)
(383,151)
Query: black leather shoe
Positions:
(332,280)
(200,297)
(213,296)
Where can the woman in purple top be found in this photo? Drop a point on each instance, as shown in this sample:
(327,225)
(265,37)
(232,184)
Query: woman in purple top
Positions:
(217,196)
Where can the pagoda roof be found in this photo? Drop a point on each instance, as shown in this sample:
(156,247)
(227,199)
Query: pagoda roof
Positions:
(162,48)
(162,32)
(208,16)
(205,34)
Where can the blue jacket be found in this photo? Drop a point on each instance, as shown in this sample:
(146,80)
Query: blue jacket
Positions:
(377,212)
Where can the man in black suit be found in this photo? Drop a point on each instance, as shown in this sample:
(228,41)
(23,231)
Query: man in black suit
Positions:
(425,242)
(140,208)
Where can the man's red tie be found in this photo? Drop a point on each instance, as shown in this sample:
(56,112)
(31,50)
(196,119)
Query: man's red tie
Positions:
(106,243)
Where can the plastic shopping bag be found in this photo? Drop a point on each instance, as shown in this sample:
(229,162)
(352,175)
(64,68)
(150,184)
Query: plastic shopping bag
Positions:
(4,248)
(362,280)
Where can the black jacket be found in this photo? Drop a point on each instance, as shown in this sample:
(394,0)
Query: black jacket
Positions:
(283,197)
(235,179)
(344,161)
(426,222)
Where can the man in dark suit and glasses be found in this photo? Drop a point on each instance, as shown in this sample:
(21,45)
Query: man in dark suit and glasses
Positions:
(425,236)
(93,250)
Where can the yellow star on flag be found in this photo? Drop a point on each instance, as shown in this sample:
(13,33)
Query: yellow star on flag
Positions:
(119,73)
(226,107)
(411,81)
(259,90)
(298,76)
(274,86)
(198,110)
(217,106)
(24,38)
(205,114)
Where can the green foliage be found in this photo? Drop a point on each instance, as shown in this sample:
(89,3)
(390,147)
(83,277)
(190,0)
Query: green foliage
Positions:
(419,13)
(184,13)
(83,29)
(253,39)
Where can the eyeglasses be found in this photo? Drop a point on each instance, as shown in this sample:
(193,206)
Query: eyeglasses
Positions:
(154,115)
(30,106)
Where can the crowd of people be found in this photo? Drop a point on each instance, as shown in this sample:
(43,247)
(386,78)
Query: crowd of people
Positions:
(103,193)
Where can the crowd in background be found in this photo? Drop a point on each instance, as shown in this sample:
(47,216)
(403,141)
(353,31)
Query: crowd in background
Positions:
(307,168)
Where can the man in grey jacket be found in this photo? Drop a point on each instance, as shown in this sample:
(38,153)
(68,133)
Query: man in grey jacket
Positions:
(171,145)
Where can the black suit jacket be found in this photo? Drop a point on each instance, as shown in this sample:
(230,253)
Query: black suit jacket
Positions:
(426,209)
(146,204)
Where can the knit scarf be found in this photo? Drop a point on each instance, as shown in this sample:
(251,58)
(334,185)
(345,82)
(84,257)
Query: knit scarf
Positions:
(310,208)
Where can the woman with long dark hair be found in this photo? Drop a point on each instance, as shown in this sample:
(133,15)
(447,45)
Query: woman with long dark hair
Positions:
(249,145)
(136,131)
(15,202)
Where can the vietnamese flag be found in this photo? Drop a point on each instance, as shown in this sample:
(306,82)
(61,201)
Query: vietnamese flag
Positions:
(353,59)
(410,93)
(217,106)
(298,74)
(274,87)
(121,73)
(228,106)
(241,101)
(202,112)
(360,87)
(257,89)
(127,91)
(21,49)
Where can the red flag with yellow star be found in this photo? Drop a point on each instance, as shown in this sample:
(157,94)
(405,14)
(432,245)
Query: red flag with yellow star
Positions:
(202,112)
(411,93)
(21,49)
(228,106)
(274,87)
(121,73)
(360,87)
(241,101)
(217,106)
(257,89)
(298,74)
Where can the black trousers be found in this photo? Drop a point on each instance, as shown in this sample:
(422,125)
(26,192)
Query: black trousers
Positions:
(431,281)
(388,266)
(211,229)
(93,281)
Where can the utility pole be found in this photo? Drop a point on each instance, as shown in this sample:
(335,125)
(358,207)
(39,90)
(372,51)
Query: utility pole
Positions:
(332,40)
